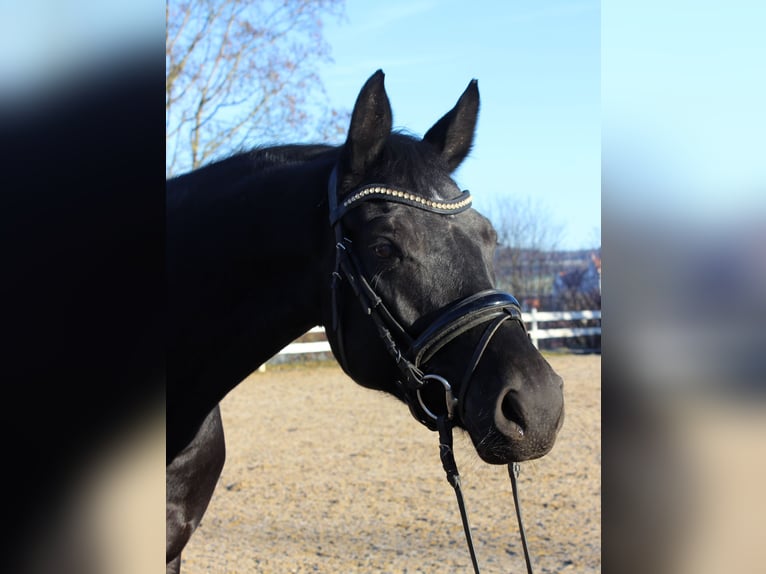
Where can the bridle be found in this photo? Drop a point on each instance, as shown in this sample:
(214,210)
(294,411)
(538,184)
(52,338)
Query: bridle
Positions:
(489,308)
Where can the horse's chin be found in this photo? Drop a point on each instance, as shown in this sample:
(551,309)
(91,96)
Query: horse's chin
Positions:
(494,448)
(510,456)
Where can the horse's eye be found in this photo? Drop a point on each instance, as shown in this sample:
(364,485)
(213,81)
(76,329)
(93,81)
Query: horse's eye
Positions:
(383,250)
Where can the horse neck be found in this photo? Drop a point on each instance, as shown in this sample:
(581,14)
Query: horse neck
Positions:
(245,269)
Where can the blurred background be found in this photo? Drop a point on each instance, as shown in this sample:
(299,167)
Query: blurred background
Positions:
(643,123)
(683,208)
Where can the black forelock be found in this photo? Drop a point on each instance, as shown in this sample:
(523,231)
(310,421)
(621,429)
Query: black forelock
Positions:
(408,162)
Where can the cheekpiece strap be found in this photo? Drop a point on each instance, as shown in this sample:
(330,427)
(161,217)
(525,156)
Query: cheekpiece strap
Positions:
(332,194)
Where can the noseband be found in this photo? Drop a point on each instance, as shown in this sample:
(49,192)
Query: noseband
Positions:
(489,307)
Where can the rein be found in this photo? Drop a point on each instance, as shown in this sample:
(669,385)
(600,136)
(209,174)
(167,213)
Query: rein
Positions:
(489,307)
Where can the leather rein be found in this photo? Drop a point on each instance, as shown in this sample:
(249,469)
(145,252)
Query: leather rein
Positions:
(489,307)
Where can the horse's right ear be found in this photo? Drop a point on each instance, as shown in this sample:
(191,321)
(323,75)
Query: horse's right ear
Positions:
(453,135)
(370,126)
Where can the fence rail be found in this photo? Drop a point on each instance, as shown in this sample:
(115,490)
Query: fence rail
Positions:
(535,317)
(532,320)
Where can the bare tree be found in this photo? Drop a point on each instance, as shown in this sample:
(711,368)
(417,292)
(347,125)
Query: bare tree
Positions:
(244,71)
(527,236)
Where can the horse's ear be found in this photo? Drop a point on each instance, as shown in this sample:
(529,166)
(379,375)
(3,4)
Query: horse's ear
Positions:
(370,127)
(453,134)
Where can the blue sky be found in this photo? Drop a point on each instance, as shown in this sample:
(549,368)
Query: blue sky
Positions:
(538,66)
(672,91)
(684,113)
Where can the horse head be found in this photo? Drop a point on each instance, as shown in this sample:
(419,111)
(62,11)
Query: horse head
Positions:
(412,309)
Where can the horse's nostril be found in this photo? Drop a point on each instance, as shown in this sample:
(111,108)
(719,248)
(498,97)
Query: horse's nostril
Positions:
(512,413)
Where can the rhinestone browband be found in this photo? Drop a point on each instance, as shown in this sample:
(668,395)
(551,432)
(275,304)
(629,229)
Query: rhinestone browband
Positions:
(460,203)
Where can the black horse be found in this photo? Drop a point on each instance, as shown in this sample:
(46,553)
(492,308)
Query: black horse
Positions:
(372,239)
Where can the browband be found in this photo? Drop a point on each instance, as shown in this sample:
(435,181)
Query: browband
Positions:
(392,194)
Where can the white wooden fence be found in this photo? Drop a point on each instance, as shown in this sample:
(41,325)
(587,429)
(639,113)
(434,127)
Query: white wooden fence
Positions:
(535,317)
(532,320)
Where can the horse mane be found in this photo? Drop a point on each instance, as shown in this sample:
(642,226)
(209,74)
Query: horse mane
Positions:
(263,158)
(255,161)
(417,166)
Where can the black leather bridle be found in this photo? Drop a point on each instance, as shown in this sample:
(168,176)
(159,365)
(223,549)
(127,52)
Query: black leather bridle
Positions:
(489,307)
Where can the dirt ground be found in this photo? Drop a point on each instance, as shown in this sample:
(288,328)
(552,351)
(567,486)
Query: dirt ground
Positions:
(323,475)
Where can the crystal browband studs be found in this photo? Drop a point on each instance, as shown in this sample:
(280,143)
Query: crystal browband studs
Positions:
(383,192)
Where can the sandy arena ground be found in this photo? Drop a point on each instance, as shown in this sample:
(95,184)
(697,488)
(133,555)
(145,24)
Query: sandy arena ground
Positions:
(323,475)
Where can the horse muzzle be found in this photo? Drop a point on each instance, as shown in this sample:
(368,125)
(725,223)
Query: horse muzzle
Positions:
(523,426)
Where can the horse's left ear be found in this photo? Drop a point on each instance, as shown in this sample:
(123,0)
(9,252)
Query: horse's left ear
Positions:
(453,134)
(370,127)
